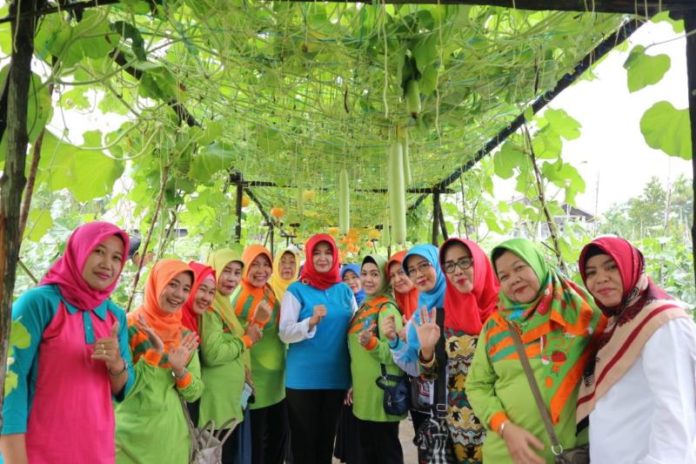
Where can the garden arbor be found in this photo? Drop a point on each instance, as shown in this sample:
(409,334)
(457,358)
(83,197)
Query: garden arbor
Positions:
(280,100)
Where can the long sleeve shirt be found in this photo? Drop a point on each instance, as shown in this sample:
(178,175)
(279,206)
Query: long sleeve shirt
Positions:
(649,415)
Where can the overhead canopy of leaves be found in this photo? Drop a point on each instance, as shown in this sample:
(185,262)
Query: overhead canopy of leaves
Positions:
(292,93)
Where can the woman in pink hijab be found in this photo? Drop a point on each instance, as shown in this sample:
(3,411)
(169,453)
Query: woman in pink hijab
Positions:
(69,356)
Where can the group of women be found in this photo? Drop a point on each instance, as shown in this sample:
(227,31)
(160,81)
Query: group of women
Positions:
(276,355)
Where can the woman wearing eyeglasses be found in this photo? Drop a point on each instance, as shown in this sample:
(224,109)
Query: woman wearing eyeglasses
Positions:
(470,296)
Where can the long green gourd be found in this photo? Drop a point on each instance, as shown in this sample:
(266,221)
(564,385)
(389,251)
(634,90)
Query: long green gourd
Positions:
(343,202)
(397,192)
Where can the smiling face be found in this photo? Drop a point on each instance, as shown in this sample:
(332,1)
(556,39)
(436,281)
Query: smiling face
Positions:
(287,265)
(322,257)
(229,278)
(104,263)
(398,279)
(603,280)
(260,271)
(352,280)
(371,278)
(175,293)
(204,296)
(457,256)
(421,273)
(518,281)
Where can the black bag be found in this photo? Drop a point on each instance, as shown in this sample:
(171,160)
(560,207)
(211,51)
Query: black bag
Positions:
(396,388)
(433,442)
(396,392)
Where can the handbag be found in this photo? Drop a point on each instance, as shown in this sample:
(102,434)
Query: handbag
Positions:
(396,392)
(578,455)
(206,443)
(396,388)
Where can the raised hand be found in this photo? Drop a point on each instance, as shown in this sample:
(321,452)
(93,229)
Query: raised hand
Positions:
(428,332)
(388,327)
(107,349)
(262,314)
(180,356)
(317,316)
(254,332)
(520,444)
(152,336)
(367,333)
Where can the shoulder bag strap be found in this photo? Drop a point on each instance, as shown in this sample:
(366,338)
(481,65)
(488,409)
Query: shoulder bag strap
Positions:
(557,448)
(440,406)
(191,427)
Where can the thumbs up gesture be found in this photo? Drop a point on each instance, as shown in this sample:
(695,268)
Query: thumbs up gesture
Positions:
(107,349)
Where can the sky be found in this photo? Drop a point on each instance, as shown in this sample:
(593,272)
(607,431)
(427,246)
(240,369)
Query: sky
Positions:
(611,154)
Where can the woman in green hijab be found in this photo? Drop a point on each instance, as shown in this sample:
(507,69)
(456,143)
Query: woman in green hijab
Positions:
(225,360)
(369,351)
(555,320)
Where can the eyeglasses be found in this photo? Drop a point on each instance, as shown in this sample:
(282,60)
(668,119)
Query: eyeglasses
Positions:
(422,267)
(464,263)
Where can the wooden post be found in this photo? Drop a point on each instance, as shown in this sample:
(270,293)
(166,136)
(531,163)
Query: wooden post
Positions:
(436,216)
(238,208)
(13,180)
(690,24)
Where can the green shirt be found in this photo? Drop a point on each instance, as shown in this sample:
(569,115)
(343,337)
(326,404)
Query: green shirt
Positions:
(365,364)
(222,369)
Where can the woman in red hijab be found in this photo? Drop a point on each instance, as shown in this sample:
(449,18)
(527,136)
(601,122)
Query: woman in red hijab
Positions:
(405,292)
(69,356)
(314,317)
(640,394)
(470,297)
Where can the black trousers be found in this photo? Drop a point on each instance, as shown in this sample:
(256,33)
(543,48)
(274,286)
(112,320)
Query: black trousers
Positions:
(269,434)
(313,418)
(380,442)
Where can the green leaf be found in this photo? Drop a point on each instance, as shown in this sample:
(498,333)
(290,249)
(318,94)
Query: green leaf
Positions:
(86,173)
(129,31)
(425,51)
(159,83)
(210,160)
(507,159)
(677,25)
(667,128)
(563,124)
(644,70)
(38,223)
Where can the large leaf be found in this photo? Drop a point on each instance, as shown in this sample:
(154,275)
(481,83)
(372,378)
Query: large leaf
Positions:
(563,124)
(210,160)
(667,128)
(507,159)
(643,69)
(38,223)
(87,173)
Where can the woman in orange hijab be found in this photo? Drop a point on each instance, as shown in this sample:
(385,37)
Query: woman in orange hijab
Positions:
(166,370)
(254,302)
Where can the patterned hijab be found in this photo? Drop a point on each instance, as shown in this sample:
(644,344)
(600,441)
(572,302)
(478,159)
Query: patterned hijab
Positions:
(406,302)
(435,297)
(167,325)
(66,272)
(202,272)
(280,285)
(558,322)
(467,312)
(644,308)
(314,278)
(355,269)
